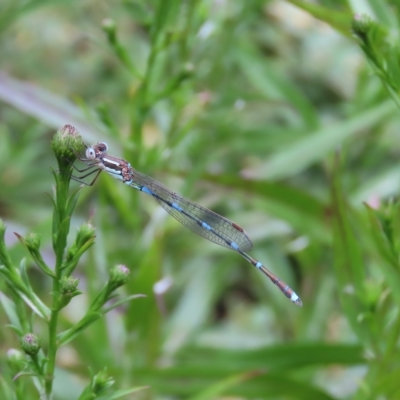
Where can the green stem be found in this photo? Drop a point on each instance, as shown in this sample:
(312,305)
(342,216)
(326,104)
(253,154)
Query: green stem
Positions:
(61,201)
(36,362)
(142,105)
(52,351)
(393,338)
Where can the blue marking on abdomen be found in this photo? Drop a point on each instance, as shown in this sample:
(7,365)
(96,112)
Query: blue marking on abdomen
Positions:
(174,205)
(234,245)
(206,226)
(147,190)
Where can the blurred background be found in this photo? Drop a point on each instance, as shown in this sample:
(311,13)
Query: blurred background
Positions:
(266,112)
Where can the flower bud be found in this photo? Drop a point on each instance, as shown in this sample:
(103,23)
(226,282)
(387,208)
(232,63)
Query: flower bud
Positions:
(109,28)
(32,242)
(119,275)
(101,381)
(15,359)
(30,343)
(85,233)
(2,228)
(4,256)
(65,143)
(361,24)
(68,285)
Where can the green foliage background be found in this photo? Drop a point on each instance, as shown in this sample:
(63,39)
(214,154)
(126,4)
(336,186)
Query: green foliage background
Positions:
(267,112)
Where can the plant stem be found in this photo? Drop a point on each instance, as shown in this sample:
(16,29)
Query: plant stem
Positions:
(61,144)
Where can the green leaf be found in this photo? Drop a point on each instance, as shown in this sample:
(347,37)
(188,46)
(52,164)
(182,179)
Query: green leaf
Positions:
(272,83)
(297,156)
(339,20)
(349,264)
(49,108)
(223,386)
(304,212)
(272,358)
(35,304)
(62,235)
(124,392)
(123,301)
(390,266)
(70,334)
(73,198)
(11,312)
(186,382)
(70,266)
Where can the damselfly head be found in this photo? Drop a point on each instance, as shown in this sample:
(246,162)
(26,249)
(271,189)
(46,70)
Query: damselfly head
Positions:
(96,150)
(90,153)
(102,147)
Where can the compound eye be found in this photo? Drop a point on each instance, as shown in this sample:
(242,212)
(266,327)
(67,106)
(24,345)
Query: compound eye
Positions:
(90,153)
(102,146)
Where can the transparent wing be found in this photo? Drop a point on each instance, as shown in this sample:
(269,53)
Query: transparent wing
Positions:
(222,228)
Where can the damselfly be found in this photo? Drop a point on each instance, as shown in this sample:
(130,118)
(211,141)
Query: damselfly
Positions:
(200,220)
